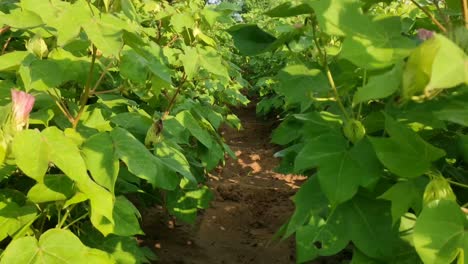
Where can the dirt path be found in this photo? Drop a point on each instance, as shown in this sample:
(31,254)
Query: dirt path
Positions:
(251,203)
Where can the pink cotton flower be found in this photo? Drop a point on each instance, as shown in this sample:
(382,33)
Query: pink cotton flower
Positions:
(424,34)
(22,106)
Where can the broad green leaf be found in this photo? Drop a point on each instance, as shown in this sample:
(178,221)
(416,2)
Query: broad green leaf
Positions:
(405,153)
(140,161)
(342,17)
(379,44)
(463,146)
(133,66)
(171,155)
(31,153)
(413,191)
(309,201)
(250,40)
(123,249)
(53,146)
(372,231)
(105,33)
(419,68)
(299,84)
(340,172)
(153,57)
(135,123)
(380,86)
(320,149)
(55,246)
(203,57)
(455,111)
(182,21)
(69,21)
(21,19)
(125,217)
(99,155)
(56,187)
(449,67)
(184,203)
(12,60)
(440,234)
(189,122)
(15,213)
(288,9)
(64,153)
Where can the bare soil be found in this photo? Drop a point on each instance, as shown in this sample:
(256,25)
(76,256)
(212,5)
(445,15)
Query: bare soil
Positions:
(251,203)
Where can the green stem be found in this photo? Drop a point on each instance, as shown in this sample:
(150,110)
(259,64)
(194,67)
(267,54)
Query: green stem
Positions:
(428,14)
(458,184)
(331,81)
(87,89)
(364,81)
(76,220)
(65,216)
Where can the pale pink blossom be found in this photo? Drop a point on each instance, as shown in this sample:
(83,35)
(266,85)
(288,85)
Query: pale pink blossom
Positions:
(22,106)
(424,34)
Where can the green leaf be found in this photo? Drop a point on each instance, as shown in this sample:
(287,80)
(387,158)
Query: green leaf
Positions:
(288,9)
(105,33)
(206,58)
(320,149)
(99,155)
(184,203)
(187,120)
(418,68)
(133,66)
(55,188)
(55,246)
(31,154)
(125,217)
(440,234)
(171,155)
(413,191)
(250,40)
(140,161)
(182,21)
(449,66)
(299,84)
(321,238)
(21,19)
(340,172)
(309,201)
(405,153)
(15,213)
(372,231)
(123,249)
(69,21)
(380,86)
(152,56)
(12,60)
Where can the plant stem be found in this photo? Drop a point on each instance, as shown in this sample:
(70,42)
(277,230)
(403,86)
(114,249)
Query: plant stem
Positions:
(331,81)
(101,77)
(4,29)
(76,220)
(428,14)
(5,46)
(87,89)
(465,11)
(65,216)
(171,103)
(457,184)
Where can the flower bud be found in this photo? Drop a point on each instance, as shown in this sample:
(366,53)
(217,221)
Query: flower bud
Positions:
(22,106)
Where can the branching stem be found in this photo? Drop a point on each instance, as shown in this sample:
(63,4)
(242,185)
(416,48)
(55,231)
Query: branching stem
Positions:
(431,16)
